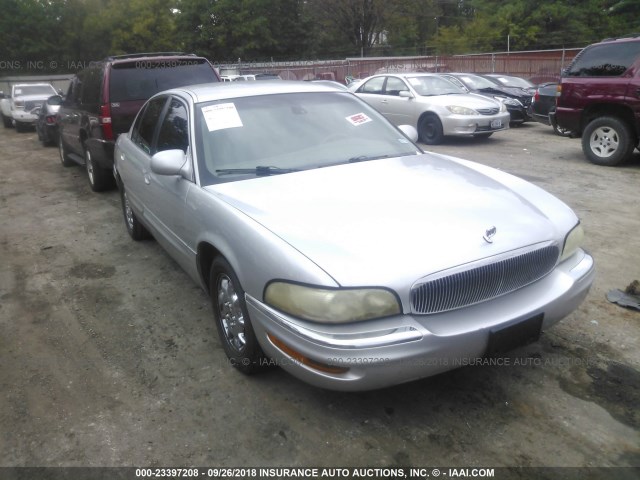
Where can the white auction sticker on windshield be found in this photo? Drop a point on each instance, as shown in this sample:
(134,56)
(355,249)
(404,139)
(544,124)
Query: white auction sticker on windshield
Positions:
(358,119)
(221,116)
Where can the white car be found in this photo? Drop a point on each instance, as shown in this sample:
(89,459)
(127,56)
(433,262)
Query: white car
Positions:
(435,106)
(25,102)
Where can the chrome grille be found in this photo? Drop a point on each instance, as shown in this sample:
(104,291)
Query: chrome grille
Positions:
(30,105)
(488,111)
(483,283)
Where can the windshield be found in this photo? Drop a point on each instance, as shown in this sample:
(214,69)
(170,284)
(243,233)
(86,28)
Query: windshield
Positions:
(515,82)
(433,85)
(474,82)
(34,90)
(269,134)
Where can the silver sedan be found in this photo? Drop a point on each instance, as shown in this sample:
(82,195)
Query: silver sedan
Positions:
(332,246)
(435,106)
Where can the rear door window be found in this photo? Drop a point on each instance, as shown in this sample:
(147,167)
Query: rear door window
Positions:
(608,60)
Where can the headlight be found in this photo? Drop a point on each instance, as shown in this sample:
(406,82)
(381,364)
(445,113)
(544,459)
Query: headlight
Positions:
(510,101)
(331,305)
(572,242)
(458,110)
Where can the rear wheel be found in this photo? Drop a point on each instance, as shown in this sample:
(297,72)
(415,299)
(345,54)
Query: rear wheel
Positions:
(64,157)
(135,229)
(430,129)
(608,141)
(232,319)
(100,179)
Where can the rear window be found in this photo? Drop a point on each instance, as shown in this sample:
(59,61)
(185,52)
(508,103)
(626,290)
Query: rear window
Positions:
(141,79)
(608,60)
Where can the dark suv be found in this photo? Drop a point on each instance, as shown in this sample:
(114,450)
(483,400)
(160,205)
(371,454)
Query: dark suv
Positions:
(103,100)
(599,100)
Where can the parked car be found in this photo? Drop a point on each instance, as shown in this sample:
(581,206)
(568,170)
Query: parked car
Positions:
(437,107)
(598,100)
(511,81)
(47,124)
(332,246)
(5,109)
(515,100)
(20,109)
(104,98)
(543,104)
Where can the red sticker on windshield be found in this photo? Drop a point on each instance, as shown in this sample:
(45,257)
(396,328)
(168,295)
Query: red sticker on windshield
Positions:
(358,119)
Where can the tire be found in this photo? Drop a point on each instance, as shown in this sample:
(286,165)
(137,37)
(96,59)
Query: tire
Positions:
(64,157)
(430,129)
(100,179)
(135,229)
(232,319)
(20,127)
(608,141)
(6,121)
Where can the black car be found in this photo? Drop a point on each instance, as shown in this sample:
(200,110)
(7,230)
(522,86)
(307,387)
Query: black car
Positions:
(103,100)
(515,100)
(511,81)
(47,123)
(543,105)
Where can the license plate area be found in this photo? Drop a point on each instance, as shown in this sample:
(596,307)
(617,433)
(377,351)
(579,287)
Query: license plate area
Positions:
(505,339)
(496,123)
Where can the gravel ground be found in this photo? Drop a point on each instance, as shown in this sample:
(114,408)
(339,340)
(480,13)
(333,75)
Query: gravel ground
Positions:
(109,356)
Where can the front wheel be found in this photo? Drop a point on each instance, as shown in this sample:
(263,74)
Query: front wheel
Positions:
(20,127)
(232,319)
(608,141)
(6,121)
(430,129)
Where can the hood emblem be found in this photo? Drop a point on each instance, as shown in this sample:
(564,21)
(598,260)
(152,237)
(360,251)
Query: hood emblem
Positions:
(489,234)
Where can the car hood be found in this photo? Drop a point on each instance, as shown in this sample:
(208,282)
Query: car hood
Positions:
(400,218)
(463,99)
(32,98)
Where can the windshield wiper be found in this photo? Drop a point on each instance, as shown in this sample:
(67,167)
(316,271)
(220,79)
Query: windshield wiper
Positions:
(364,158)
(259,171)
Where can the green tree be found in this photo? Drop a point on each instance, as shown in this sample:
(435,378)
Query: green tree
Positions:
(246,29)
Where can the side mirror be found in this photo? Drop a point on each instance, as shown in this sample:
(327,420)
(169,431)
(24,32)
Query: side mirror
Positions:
(409,131)
(168,162)
(405,94)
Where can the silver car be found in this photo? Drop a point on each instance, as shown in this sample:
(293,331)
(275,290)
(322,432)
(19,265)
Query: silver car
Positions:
(335,248)
(435,106)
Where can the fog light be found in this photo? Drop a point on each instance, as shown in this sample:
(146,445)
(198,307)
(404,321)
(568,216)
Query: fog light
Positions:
(299,357)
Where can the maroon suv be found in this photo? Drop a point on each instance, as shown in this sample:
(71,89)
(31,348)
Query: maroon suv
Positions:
(104,98)
(599,100)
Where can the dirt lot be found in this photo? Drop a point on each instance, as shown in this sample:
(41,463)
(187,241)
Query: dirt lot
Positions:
(109,356)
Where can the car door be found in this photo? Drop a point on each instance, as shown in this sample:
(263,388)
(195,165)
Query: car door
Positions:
(372,92)
(400,110)
(69,116)
(167,193)
(134,164)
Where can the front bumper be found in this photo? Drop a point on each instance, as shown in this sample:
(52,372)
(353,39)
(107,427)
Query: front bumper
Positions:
(24,116)
(464,125)
(407,347)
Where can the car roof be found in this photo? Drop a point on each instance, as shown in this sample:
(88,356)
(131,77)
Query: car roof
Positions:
(222,90)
